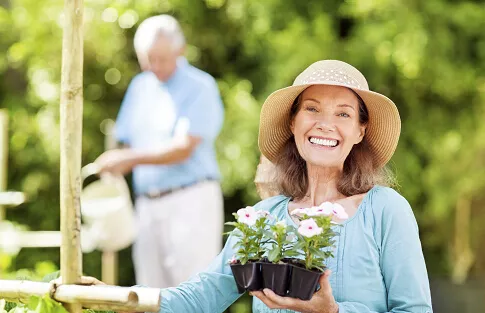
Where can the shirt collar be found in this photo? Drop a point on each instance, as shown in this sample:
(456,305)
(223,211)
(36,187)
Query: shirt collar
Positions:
(182,64)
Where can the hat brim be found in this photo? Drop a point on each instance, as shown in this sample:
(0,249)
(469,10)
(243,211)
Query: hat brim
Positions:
(382,132)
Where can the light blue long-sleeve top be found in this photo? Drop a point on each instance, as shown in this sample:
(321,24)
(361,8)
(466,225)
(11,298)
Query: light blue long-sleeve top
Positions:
(153,113)
(378,264)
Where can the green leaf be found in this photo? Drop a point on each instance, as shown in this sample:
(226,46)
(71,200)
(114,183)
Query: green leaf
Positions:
(9,306)
(51,276)
(299,245)
(291,254)
(273,255)
(19,309)
(268,234)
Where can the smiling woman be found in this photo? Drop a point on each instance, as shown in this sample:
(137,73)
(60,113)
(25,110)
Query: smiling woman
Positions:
(329,123)
(330,138)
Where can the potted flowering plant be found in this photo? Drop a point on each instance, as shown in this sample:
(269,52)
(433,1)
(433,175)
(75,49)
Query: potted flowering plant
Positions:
(245,264)
(276,272)
(314,246)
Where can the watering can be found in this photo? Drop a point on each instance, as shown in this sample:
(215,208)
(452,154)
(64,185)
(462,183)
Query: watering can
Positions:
(107,211)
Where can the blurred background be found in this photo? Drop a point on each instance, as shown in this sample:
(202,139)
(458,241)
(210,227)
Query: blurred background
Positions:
(428,56)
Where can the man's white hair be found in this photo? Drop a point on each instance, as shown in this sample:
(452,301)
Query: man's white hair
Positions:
(151,29)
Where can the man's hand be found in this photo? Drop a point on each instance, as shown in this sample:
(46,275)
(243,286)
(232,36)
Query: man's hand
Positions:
(321,302)
(116,161)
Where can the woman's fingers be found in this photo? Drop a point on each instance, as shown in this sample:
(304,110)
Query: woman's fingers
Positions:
(85,280)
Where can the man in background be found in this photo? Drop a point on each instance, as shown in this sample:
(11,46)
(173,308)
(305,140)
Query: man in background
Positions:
(169,120)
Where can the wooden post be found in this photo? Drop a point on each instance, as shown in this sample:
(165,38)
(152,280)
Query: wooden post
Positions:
(463,256)
(109,267)
(3,156)
(71,110)
(109,259)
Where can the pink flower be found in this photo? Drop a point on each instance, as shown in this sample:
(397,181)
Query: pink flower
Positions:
(247,216)
(232,260)
(309,228)
(339,212)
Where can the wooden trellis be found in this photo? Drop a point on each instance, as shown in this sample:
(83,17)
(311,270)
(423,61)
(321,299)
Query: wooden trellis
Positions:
(70,293)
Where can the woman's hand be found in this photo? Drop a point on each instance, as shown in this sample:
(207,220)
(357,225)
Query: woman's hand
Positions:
(88,281)
(85,281)
(321,302)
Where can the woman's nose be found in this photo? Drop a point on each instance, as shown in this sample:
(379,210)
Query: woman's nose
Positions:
(325,124)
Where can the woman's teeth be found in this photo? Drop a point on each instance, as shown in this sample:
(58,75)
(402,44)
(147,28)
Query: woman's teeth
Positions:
(324,142)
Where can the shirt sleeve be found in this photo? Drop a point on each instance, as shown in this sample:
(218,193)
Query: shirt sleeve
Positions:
(206,114)
(122,125)
(401,259)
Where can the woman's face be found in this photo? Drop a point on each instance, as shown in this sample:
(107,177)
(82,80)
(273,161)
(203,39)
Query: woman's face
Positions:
(326,125)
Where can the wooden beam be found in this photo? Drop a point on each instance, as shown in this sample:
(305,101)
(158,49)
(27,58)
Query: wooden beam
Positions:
(30,239)
(11,198)
(3,155)
(134,299)
(71,114)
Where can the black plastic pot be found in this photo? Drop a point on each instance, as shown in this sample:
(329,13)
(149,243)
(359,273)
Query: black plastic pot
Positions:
(247,276)
(303,283)
(276,277)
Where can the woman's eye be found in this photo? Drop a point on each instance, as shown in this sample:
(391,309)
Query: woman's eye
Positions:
(343,114)
(311,109)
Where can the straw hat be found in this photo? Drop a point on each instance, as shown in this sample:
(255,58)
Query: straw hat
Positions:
(383,129)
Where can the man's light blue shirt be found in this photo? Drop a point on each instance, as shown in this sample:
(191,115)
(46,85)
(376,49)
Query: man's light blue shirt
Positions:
(153,113)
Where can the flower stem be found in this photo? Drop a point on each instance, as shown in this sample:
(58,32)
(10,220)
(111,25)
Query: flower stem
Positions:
(308,256)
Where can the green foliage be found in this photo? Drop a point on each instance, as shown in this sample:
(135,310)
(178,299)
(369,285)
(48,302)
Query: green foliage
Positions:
(281,242)
(37,304)
(428,56)
(250,232)
(42,271)
(314,250)
(260,235)
(8,306)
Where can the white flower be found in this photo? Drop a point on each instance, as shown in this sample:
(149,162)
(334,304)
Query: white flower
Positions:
(263,214)
(281,224)
(325,209)
(290,237)
(247,216)
(309,228)
(339,212)
(299,212)
(311,211)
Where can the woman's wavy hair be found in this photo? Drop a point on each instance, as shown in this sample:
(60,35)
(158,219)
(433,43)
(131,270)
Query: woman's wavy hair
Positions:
(359,175)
